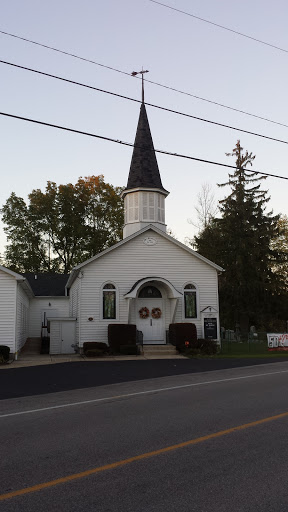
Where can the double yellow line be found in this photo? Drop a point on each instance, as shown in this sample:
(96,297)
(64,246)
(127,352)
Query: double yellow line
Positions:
(124,462)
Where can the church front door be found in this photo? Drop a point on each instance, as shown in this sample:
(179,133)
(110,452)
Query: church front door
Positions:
(151,327)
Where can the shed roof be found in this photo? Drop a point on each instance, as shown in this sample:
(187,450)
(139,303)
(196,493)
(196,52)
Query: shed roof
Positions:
(47,284)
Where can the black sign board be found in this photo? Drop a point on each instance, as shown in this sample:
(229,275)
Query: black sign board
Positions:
(210,328)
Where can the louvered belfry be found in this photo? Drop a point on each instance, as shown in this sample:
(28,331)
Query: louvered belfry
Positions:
(144,195)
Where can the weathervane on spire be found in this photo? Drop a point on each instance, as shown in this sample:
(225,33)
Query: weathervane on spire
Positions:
(134,73)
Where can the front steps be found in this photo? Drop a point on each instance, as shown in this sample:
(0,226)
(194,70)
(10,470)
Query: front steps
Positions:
(159,350)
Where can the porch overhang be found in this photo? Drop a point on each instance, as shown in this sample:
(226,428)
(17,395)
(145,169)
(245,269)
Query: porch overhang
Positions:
(172,293)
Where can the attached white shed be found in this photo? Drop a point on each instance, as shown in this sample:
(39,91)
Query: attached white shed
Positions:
(62,335)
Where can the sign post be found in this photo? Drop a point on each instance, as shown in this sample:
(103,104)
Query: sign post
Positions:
(210,328)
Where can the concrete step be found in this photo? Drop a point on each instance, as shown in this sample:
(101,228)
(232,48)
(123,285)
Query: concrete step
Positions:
(160,353)
(164,350)
(32,346)
(166,346)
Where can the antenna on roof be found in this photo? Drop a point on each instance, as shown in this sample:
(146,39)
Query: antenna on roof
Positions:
(134,73)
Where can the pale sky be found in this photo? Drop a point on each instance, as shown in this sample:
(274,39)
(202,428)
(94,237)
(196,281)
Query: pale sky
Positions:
(179,51)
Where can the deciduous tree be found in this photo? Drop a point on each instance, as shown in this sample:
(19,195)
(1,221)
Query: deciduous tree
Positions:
(62,226)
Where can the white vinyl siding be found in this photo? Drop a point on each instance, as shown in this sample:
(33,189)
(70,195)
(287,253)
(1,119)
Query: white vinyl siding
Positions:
(74,304)
(55,337)
(135,260)
(40,304)
(22,316)
(8,293)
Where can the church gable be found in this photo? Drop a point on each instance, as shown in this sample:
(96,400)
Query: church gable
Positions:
(149,259)
(147,248)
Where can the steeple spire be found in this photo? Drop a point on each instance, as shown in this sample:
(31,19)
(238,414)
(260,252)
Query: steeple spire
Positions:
(144,195)
(144,171)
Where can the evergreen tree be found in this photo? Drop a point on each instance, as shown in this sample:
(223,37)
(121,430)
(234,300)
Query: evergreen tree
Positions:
(240,241)
(280,248)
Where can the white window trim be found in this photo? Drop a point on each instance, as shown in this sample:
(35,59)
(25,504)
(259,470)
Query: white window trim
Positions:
(184,318)
(109,320)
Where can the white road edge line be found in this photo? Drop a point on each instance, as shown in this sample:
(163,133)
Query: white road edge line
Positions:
(138,393)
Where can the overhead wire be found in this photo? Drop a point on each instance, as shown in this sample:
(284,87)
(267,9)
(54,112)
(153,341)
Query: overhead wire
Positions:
(73,82)
(220,26)
(117,141)
(186,93)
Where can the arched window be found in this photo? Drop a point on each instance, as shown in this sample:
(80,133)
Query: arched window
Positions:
(149,292)
(109,301)
(190,301)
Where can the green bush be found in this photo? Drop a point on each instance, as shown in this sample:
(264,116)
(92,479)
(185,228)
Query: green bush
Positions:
(94,352)
(181,332)
(200,347)
(131,350)
(4,353)
(95,345)
(207,347)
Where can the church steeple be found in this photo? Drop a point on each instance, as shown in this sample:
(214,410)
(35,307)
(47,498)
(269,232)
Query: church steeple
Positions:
(144,171)
(144,195)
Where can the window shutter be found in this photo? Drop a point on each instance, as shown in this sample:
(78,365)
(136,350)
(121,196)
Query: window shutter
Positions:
(145,205)
(161,210)
(151,207)
(136,206)
(133,207)
(126,210)
(130,208)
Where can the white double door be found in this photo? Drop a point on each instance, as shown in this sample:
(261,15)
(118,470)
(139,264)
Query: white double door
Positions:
(152,328)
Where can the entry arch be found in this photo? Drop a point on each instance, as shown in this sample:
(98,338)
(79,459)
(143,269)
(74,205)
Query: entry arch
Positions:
(167,294)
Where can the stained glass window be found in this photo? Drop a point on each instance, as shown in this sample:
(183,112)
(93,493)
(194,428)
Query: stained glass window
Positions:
(190,301)
(109,301)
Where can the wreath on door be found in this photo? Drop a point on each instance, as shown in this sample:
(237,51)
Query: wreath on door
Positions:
(144,312)
(156,313)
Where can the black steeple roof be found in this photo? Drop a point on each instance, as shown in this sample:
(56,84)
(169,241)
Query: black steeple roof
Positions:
(144,171)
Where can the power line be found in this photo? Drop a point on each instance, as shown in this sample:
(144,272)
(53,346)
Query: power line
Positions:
(148,104)
(62,51)
(109,139)
(220,26)
(149,81)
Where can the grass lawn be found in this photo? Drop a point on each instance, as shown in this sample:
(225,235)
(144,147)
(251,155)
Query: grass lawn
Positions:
(245,349)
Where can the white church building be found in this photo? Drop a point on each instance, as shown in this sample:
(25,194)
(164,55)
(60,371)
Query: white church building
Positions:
(148,279)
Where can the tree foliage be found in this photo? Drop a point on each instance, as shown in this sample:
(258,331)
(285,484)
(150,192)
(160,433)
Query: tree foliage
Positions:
(279,245)
(241,242)
(62,226)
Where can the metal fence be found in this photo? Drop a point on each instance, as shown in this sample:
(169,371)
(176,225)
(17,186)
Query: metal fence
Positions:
(244,343)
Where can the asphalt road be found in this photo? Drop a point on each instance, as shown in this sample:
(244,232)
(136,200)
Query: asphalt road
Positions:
(35,380)
(232,424)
